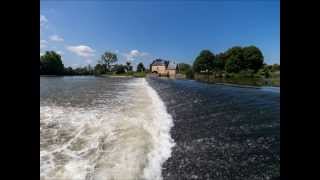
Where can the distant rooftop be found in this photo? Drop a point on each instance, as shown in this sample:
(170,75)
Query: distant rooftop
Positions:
(158,62)
(172,66)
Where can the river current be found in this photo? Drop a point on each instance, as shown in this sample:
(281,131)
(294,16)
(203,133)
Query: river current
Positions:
(102,128)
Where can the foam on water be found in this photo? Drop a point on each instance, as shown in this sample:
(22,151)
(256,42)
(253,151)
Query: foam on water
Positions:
(129,139)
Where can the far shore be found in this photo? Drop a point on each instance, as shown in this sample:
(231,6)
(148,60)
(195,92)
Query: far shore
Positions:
(143,75)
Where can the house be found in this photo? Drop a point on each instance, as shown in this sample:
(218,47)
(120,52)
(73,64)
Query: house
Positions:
(163,68)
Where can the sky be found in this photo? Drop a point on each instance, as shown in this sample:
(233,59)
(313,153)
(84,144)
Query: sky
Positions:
(140,31)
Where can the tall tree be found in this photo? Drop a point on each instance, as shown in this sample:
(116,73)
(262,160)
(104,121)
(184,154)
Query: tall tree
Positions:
(184,67)
(140,67)
(128,66)
(51,63)
(108,58)
(204,62)
(234,61)
(253,58)
(99,69)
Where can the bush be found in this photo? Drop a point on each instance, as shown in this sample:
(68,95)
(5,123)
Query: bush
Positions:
(119,69)
(183,68)
(246,73)
(190,74)
(264,72)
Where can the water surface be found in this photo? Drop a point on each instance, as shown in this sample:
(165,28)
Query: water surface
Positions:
(102,128)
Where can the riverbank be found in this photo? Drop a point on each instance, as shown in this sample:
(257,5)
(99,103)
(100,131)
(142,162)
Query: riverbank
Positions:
(221,132)
(273,81)
(127,74)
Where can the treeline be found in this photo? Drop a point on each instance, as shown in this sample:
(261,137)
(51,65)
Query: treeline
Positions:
(51,64)
(247,61)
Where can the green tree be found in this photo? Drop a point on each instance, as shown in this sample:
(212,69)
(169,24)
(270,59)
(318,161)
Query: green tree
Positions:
(184,68)
(68,71)
(119,68)
(140,67)
(275,67)
(190,74)
(128,66)
(99,69)
(51,63)
(252,58)
(107,59)
(204,62)
(234,60)
(264,71)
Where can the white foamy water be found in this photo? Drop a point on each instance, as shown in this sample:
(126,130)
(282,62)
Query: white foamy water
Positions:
(127,137)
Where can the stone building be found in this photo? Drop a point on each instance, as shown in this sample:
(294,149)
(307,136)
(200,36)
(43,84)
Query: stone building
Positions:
(163,68)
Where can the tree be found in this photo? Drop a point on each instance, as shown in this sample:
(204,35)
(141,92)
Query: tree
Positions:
(234,61)
(264,71)
(99,69)
(108,58)
(51,63)
(140,67)
(119,68)
(68,71)
(128,66)
(220,61)
(252,58)
(190,74)
(184,68)
(204,62)
(218,64)
(233,65)
(275,67)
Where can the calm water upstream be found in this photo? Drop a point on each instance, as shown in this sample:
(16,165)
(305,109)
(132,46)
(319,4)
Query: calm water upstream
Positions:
(129,128)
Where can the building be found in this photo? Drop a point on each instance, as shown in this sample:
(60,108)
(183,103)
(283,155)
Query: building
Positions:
(163,68)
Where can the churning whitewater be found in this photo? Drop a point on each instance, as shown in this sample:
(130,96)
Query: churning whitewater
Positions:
(101,129)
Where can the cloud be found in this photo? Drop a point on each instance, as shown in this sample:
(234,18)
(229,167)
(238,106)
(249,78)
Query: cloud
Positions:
(134,54)
(43,44)
(60,52)
(81,50)
(88,61)
(56,38)
(43,20)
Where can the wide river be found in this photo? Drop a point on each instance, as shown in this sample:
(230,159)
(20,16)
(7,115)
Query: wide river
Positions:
(94,128)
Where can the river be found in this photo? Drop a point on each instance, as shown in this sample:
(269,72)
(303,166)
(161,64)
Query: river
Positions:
(95,128)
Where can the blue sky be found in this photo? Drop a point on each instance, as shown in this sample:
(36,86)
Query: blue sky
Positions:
(141,31)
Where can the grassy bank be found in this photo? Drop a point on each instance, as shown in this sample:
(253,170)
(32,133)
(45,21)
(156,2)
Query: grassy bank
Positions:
(253,80)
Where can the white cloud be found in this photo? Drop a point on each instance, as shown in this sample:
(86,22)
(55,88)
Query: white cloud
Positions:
(134,54)
(60,52)
(43,20)
(88,61)
(43,44)
(56,38)
(81,50)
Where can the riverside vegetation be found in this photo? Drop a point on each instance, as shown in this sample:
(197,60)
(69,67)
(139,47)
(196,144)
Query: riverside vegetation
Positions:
(237,65)
(51,64)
